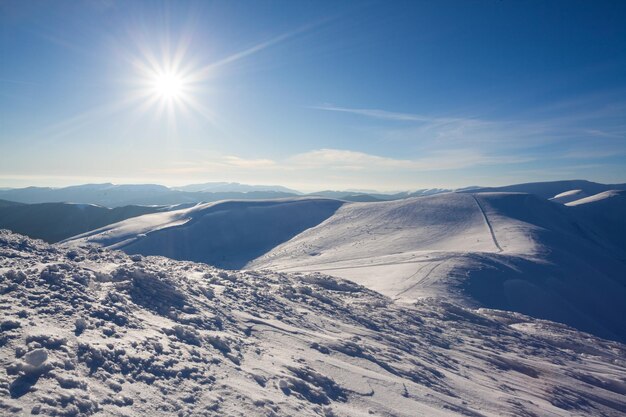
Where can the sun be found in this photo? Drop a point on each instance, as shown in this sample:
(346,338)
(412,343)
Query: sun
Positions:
(168,86)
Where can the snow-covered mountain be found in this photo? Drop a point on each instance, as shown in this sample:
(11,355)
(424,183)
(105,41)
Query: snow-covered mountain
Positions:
(227,234)
(605,218)
(509,251)
(109,195)
(112,195)
(97,332)
(551,189)
(619,194)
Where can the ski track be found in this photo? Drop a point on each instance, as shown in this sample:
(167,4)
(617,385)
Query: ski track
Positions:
(423,280)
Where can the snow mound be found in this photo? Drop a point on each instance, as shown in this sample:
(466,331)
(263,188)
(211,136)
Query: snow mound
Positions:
(98,332)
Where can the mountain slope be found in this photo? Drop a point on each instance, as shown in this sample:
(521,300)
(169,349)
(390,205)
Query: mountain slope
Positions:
(96,332)
(227,234)
(510,251)
(604,219)
(6,203)
(500,250)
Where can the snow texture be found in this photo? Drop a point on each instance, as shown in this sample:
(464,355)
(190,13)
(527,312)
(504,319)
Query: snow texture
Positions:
(90,331)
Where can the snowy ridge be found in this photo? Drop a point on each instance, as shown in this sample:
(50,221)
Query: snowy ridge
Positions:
(569,196)
(226,233)
(598,197)
(550,189)
(97,332)
(554,263)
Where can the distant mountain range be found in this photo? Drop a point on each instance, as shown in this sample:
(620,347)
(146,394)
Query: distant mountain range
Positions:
(111,195)
(551,189)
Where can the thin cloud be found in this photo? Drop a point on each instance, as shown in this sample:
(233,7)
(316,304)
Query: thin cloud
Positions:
(257,48)
(337,159)
(248,163)
(535,138)
(377,114)
(320,161)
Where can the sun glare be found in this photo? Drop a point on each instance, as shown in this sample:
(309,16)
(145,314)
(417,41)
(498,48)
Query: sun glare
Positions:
(168,86)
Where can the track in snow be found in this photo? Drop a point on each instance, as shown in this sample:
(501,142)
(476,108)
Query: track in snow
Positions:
(422,281)
(482,210)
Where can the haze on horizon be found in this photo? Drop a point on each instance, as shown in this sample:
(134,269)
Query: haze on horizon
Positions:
(312,95)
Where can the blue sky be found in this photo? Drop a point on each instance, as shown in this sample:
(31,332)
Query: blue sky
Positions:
(312,95)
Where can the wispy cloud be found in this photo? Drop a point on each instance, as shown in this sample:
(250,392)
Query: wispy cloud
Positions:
(571,130)
(378,114)
(248,163)
(337,168)
(259,47)
(337,159)
(593,153)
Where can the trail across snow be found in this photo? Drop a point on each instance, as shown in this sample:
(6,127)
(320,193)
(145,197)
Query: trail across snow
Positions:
(493,235)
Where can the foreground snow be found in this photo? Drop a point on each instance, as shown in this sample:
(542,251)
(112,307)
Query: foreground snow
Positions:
(97,332)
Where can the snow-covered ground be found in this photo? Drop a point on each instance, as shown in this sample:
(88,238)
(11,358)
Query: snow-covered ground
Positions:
(98,332)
